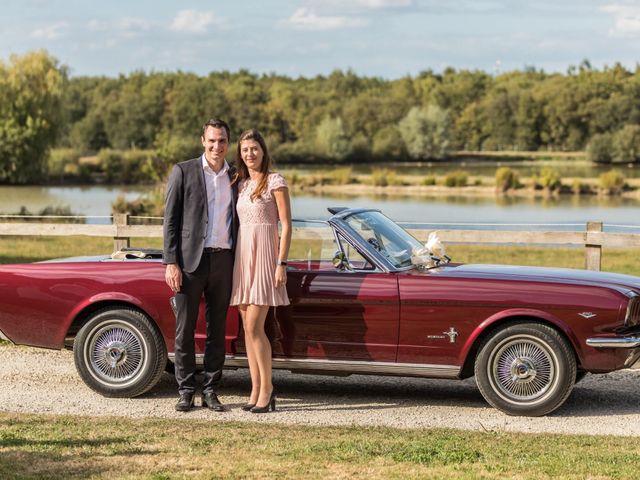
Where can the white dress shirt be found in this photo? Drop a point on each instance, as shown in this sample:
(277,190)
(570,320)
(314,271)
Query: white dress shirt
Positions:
(218,206)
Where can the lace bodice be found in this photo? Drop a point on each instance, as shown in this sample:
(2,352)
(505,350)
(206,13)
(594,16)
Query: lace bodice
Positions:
(262,210)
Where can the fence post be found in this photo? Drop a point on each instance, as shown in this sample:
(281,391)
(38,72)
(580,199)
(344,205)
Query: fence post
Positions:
(119,220)
(593,252)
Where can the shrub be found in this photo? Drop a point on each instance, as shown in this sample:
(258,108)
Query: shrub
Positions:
(600,148)
(293,178)
(63,162)
(506,179)
(612,182)
(579,187)
(429,180)
(549,179)
(457,178)
(49,210)
(342,176)
(130,166)
(150,204)
(382,177)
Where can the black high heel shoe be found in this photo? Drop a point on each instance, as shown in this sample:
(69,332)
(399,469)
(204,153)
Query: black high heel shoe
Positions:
(271,405)
(247,407)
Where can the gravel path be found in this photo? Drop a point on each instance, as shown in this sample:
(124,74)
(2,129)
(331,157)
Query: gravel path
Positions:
(44,381)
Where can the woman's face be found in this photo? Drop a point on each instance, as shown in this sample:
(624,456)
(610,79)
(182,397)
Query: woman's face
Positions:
(252,154)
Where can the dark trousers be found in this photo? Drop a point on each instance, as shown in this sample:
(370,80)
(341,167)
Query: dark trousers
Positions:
(213,279)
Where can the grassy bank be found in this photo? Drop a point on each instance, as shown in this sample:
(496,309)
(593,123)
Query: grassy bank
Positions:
(40,446)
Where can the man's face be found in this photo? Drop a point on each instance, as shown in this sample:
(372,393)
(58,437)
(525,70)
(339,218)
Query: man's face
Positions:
(216,144)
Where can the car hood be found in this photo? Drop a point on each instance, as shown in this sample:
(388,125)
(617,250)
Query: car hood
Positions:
(542,274)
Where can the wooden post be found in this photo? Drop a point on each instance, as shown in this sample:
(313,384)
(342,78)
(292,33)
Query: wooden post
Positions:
(119,220)
(593,252)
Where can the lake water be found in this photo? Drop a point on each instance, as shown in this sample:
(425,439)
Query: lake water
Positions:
(565,213)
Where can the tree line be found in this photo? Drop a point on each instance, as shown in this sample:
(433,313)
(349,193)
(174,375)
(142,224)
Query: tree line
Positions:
(340,117)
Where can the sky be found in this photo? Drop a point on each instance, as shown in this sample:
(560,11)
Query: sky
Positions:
(382,38)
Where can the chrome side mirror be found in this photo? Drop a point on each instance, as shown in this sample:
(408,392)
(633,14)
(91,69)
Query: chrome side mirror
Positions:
(340,261)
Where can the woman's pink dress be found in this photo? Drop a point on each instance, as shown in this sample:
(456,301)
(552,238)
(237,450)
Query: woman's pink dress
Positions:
(257,248)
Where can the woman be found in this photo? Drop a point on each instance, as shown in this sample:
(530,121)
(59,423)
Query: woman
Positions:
(260,269)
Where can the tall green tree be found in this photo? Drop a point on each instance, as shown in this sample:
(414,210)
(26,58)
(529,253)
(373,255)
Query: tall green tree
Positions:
(331,139)
(31,116)
(427,132)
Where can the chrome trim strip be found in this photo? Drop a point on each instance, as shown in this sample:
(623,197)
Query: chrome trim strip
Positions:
(4,337)
(347,366)
(614,342)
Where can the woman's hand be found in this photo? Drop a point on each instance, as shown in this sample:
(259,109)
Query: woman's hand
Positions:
(281,275)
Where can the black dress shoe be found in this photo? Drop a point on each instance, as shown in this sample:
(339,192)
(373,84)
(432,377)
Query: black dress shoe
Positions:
(247,406)
(185,403)
(210,401)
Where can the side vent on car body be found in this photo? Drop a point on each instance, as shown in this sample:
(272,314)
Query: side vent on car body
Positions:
(633,312)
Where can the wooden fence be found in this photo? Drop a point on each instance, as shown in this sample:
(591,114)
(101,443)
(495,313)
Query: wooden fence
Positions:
(593,239)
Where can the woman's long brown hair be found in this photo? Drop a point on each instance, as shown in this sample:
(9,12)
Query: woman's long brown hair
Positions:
(243,171)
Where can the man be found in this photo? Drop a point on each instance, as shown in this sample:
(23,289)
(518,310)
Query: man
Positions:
(200,225)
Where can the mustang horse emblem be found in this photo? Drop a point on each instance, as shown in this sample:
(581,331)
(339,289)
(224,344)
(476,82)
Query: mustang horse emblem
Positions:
(452,334)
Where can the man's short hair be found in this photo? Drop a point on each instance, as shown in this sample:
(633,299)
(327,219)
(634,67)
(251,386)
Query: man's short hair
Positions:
(217,123)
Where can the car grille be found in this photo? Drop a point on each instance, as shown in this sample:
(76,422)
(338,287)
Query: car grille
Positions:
(633,312)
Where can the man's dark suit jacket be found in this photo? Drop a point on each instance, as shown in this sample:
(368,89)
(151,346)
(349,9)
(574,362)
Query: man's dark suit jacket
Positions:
(185,214)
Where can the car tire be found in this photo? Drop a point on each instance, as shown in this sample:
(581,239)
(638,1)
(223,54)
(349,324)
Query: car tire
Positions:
(119,352)
(526,369)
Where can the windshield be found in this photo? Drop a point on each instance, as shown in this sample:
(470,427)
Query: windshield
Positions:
(388,238)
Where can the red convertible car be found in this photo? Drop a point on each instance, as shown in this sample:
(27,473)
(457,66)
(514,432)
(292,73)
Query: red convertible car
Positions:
(365,299)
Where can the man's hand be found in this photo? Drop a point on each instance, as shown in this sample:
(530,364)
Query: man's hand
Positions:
(173,277)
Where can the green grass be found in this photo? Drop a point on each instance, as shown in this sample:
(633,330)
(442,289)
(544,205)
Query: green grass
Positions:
(42,446)
(32,249)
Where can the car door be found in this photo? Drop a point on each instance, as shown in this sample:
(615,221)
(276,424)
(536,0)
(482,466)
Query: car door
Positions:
(335,313)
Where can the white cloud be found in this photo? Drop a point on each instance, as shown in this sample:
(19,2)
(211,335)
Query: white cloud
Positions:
(375,4)
(306,19)
(192,21)
(129,24)
(350,7)
(378,4)
(124,27)
(626,20)
(50,32)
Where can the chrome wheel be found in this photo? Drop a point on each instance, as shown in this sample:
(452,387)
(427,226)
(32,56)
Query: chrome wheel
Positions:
(525,368)
(116,352)
(522,369)
(119,352)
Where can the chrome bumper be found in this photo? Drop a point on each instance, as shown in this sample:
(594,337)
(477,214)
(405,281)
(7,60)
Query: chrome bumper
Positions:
(4,337)
(614,342)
